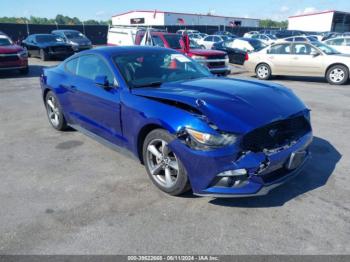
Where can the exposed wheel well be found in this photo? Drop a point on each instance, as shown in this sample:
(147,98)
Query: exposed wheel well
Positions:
(141,138)
(335,65)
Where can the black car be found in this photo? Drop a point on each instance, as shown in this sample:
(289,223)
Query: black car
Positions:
(46,46)
(236,56)
(288,33)
(76,39)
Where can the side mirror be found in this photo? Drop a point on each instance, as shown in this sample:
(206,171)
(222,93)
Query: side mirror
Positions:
(315,53)
(102,81)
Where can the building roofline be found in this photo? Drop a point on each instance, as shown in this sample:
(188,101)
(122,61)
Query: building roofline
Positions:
(179,13)
(315,13)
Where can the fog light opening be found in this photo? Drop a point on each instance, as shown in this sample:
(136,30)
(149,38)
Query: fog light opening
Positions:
(233,173)
(232,178)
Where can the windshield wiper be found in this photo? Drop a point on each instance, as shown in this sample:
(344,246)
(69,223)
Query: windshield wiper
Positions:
(152,84)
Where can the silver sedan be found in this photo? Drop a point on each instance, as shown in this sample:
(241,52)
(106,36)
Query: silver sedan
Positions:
(300,59)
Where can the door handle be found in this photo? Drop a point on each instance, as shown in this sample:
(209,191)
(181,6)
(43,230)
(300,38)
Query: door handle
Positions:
(295,58)
(271,57)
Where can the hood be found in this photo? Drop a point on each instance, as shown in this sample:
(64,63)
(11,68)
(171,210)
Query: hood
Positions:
(10,49)
(207,53)
(80,40)
(233,105)
(49,44)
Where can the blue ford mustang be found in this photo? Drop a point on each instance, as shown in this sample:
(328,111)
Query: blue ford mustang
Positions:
(221,137)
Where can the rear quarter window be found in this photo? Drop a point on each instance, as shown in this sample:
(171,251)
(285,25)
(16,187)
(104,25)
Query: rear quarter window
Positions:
(71,66)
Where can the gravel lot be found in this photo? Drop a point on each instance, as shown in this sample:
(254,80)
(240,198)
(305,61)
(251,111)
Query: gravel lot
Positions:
(63,193)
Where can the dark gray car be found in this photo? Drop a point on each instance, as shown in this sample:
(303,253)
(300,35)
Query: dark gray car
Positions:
(76,39)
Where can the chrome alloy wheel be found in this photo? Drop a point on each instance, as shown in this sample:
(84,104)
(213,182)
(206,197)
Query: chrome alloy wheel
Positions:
(162,163)
(337,75)
(53,111)
(263,71)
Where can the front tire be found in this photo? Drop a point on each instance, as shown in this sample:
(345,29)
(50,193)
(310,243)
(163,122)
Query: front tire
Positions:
(263,72)
(163,166)
(43,55)
(54,112)
(337,75)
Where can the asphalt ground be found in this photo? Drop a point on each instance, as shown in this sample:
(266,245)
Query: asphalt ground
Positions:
(64,193)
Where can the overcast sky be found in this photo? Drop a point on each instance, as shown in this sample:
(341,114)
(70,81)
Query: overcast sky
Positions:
(103,10)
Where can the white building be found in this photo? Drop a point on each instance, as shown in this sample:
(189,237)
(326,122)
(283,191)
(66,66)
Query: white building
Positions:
(321,21)
(160,18)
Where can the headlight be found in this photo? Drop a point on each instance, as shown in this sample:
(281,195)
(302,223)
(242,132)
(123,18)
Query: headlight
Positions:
(74,43)
(204,140)
(198,57)
(23,54)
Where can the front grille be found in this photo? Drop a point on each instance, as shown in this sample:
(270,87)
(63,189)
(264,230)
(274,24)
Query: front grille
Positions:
(9,58)
(276,134)
(216,57)
(59,49)
(216,64)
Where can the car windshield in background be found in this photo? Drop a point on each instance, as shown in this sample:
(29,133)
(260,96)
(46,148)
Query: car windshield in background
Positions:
(226,38)
(272,37)
(47,38)
(257,45)
(153,68)
(174,41)
(5,42)
(72,35)
(325,48)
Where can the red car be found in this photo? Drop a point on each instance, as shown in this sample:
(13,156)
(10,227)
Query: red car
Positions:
(216,61)
(12,56)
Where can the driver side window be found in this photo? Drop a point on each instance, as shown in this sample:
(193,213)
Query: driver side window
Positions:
(92,66)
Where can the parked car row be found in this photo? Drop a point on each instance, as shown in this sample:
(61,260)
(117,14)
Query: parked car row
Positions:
(60,44)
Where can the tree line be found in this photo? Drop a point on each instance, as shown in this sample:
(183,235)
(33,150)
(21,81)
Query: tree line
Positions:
(59,19)
(268,23)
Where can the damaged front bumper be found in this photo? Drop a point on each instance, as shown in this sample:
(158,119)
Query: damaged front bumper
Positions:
(264,171)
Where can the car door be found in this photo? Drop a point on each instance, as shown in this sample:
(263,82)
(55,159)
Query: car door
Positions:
(279,57)
(93,107)
(306,60)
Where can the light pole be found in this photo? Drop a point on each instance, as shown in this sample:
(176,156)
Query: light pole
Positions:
(56,25)
(83,27)
(28,32)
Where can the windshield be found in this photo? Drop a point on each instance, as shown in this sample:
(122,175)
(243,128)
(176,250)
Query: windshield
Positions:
(174,41)
(257,45)
(73,34)
(47,38)
(5,42)
(226,38)
(325,48)
(272,37)
(154,67)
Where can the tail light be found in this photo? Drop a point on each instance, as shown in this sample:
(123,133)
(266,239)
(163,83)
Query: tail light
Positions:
(246,57)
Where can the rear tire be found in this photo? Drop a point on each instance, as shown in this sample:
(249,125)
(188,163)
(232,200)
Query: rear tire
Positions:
(43,55)
(263,72)
(337,75)
(54,112)
(163,167)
